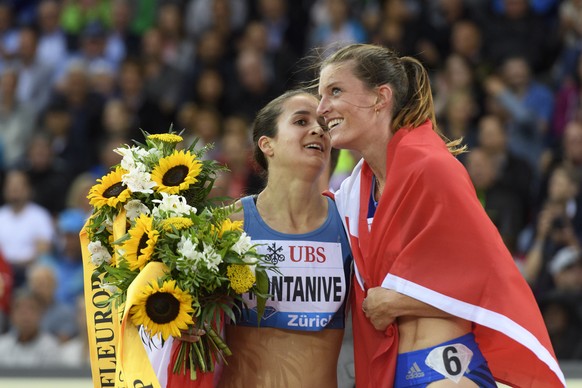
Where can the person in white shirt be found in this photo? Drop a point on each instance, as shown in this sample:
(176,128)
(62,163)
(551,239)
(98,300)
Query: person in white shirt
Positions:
(26,228)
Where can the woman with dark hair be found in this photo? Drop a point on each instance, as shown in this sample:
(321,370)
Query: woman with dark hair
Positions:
(300,230)
(297,228)
(437,297)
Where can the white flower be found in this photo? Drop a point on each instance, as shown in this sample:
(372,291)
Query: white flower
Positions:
(131,157)
(99,254)
(243,245)
(211,258)
(135,208)
(108,222)
(189,258)
(138,181)
(187,248)
(110,288)
(172,205)
(156,153)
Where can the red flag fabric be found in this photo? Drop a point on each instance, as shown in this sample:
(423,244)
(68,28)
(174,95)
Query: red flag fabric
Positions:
(431,239)
(182,380)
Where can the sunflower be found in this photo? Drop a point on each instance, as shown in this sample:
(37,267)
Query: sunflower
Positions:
(110,190)
(142,240)
(228,226)
(166,309)
(176,172)
(166,137)
(241,278)
(178,222)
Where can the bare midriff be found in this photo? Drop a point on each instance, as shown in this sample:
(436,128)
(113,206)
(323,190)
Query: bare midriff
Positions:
(269,357)
(419,333)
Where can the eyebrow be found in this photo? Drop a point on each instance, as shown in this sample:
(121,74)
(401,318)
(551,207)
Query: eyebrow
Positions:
(330,85)
(302,112)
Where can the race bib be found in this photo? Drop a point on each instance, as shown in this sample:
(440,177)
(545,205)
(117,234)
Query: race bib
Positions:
(451,360)
(309,290)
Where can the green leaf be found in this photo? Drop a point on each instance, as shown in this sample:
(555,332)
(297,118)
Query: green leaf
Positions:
(263,288)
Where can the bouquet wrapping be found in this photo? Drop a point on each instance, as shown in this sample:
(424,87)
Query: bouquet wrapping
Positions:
(170,260)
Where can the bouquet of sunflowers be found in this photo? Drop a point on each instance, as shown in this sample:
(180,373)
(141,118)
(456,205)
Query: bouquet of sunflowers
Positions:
(153,211)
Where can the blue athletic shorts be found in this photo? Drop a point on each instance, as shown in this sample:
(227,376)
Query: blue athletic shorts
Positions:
(453,359)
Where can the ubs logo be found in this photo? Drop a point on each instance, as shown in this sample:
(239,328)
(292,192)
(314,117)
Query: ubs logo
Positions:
(274,254)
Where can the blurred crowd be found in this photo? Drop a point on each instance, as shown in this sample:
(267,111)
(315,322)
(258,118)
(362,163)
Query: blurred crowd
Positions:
(79,78)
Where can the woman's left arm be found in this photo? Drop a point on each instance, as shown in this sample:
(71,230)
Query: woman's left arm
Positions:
(382,306)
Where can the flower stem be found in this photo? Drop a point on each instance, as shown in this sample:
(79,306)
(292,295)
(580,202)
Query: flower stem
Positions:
(222,346)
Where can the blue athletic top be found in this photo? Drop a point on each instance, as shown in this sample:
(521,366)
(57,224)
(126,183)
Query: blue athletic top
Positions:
(315,268)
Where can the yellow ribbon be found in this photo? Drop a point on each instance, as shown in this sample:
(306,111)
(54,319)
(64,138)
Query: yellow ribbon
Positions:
(102,319)
(118,356)
(135,364)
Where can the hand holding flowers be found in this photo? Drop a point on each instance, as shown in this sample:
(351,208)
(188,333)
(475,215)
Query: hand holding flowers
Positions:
(155,208)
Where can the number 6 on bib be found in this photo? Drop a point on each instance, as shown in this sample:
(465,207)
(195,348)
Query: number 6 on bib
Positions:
(451,360)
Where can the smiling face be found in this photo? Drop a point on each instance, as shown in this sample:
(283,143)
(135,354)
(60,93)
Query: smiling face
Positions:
(347,106)
(300,139)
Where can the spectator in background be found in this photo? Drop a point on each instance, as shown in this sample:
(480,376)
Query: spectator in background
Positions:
(203,15)
(49,175)
(457,76)
(91,52)
(26,228)
(58,318)
(107,155)
(562,305)
(284,27)
(116,119)
(501,204)
(121,41)
(34,77)
(436,23)
(77,15)
(527,106)
(84,108)
(341,29)
(102,80)
(27,345)
(206,125)
(467,41)
(162,79)
(52,40)
(56,121)
(517,31)
(512,171)
(212,52)
(568,102)
(177,49)
(458,117)
(566,270)
(145,111)
(570,29)
(255,87)
(75,352)
(400,26)
(569,155)
(8,34)
(5,293)
(242,178)
(280,60)
(210,91)
(563,319)
(65,257)
(77,193)
(17,119)
(554,228)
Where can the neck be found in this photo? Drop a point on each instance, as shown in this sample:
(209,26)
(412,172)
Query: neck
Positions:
(292,207)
